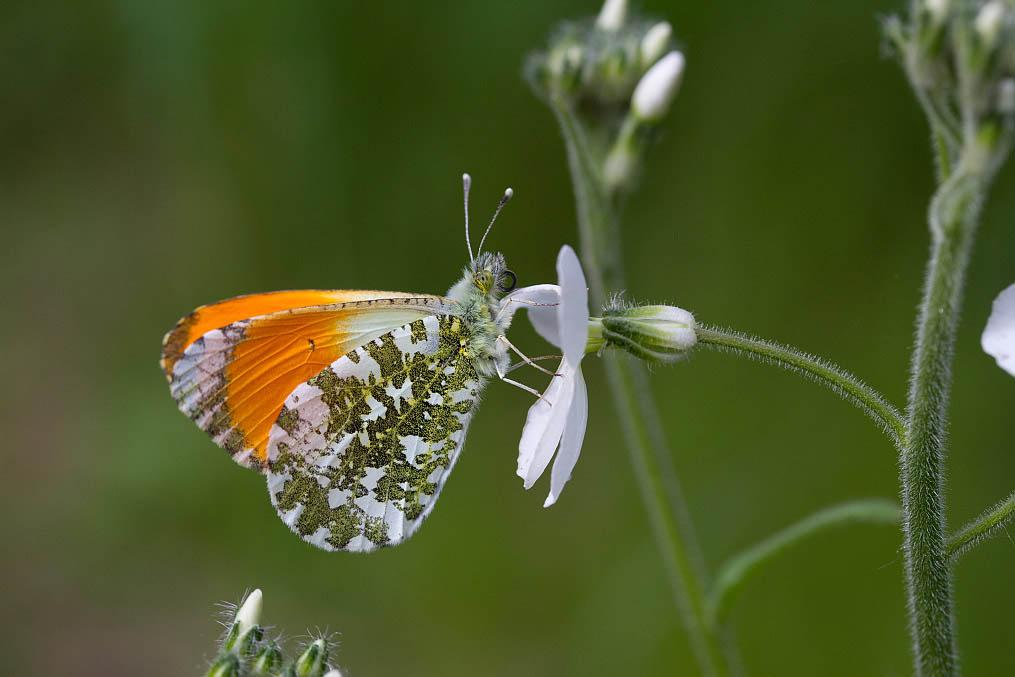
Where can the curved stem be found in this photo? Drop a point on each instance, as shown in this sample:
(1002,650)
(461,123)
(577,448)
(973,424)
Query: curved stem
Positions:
(740,569)
(983,527)
(598,225)
(928,576)
(845,384)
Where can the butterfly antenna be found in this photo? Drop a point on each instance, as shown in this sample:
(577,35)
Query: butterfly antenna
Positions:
(503,201)
(466,184)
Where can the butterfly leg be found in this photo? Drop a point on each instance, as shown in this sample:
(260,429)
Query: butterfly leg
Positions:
(532,359)
(525,358)
(508,301)
(502,375)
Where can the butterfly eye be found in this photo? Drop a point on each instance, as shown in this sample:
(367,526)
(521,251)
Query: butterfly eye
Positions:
(483,280)
(505,284)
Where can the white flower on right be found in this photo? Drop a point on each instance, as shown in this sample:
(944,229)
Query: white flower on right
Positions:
(998,338)
(559,418)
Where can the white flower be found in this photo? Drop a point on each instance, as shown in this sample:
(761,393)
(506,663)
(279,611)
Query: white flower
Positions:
(655,91)
(560,416)
(998,338)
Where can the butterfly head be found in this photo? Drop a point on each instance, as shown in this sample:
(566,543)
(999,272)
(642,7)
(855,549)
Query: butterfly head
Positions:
(491,276)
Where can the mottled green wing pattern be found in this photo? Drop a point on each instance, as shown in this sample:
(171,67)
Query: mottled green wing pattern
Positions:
(360,451)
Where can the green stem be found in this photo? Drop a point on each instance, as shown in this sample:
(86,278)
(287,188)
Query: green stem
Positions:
(740,569)
(599,232)
(845,384)
(928,576)
(982,528)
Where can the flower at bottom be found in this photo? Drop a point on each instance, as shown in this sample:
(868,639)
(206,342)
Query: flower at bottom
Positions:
(559,417)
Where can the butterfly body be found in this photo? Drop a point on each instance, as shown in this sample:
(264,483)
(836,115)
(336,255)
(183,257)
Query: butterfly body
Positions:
(355,404)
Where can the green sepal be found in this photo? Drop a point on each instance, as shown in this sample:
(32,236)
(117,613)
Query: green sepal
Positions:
(226,665)
(268,660)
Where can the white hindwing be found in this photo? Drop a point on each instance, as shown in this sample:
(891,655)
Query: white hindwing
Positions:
(361,451)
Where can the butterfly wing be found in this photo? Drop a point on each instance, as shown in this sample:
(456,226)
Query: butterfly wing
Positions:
(232,364)
(360,451)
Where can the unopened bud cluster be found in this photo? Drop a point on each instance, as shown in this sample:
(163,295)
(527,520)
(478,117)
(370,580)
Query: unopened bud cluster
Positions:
(245,651)
(618,75)
(658,334)
(959,56)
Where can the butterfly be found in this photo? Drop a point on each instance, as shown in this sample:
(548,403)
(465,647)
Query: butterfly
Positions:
(354,404)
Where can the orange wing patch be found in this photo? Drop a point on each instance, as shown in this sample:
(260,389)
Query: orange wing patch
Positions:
(232,364)
(218,315)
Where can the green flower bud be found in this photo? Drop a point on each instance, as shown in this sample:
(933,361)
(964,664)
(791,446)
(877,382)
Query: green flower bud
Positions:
(659,334)
(268,660)
(226,665)
(313,661)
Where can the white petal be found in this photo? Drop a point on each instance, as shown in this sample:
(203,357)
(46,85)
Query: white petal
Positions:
(543,315)
(544,426)
(574,306)
(998,338)
(571,441)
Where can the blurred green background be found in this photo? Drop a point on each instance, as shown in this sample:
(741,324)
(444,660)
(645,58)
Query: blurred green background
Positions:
(157,156)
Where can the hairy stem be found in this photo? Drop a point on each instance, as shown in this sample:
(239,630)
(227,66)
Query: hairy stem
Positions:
(599,231)
(953,215)
(983,527)
(740,569)
(845,384)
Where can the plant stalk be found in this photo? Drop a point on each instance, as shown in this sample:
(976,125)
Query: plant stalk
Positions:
(739,570)
(982,528)
(953,216)
(849,387)
(599,231)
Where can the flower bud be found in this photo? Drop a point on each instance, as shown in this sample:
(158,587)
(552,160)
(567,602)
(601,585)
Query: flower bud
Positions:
(651,333)
(564,64)
(619,166)
(268,660)
(249,613)
(655,42)
(988,21)
(611,16)
(655,91)
(333,673)
(245,632)
(938,9)
(313,661)
(1006,96)
(226,665)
